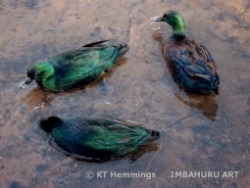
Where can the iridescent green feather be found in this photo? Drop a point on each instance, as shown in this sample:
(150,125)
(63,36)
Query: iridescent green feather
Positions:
(77,67)
(98,138)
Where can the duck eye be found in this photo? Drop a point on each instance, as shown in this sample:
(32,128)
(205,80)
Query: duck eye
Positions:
(31,74)
(165,16)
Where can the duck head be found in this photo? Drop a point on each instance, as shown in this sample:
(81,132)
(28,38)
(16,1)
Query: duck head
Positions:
(48,124)
(175,20)
(39,72)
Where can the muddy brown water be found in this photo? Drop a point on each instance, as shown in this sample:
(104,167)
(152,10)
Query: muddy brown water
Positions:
(197,133)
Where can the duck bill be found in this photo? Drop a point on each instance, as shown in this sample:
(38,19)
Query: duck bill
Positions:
(158,19)
(24,84)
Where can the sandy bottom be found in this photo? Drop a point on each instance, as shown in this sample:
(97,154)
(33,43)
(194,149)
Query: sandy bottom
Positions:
(197,133)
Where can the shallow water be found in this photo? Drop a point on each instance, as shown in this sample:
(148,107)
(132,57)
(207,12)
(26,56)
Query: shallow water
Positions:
(198,133)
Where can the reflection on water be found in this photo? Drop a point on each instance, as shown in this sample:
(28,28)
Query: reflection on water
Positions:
(198,133)
(37,97)
(207,104)
(132,157)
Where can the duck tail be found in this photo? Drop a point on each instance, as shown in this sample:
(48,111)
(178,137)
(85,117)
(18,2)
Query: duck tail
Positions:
(153,135)
(121,46)
(123,49)
(216,91)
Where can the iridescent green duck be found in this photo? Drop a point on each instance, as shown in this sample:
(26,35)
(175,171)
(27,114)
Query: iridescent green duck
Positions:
(97,138)
(76,67)
(191,64)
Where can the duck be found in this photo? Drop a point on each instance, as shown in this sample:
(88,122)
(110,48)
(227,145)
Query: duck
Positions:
(97,138)
(190,62)
(76,67)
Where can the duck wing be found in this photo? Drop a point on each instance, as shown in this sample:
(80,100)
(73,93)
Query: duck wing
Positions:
(97,137)
(86,63)
(114,133)
(194,64)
